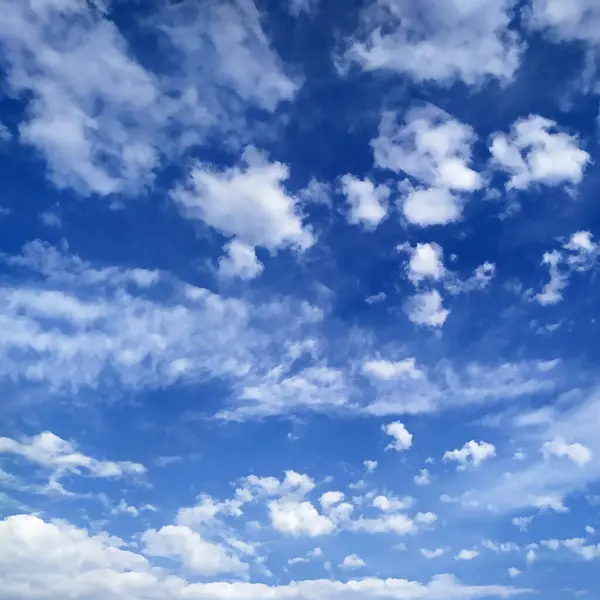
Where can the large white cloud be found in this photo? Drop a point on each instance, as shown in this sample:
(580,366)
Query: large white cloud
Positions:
(69,562)
(438,40)
(101,120)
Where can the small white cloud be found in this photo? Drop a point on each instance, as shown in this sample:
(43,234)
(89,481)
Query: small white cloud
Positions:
(402,439)
(387,370)
(368,202)
(426,308)
(548,502)
(429,554)
(590,530)
(391,504)
(370,465)
(472,453)
(536,151)
(467,555)
(513,572)
(522,522)
(575,452)
(352,561)
(427,518)
(299,518)
(519,455)
(530,556)
(240,261)
(423,478)
(431,206)
(426,262)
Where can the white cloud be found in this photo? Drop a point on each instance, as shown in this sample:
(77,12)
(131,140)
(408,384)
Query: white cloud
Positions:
(578,20)
(575,452)
(392,504)
(472,453)
(397,523)
(433,149)
(437,40)
(368,202)
(352,561)
(579,254)
(197,555)
(240,261)
(536,151)
(431,206)
(426,262)
(522,522)
(590,530)
(548,502)
(248,201)
(52,452)
(502,547)
(370,465)
(429,554)
(427,309)
(513,572)
(329,499)
(423,478)
(427,518)
(402,439)
(530,557)
(299,518)
(467,555)
(388,370)
(96,566)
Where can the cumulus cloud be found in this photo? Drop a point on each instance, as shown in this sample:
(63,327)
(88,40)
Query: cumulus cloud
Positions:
(575,452)
(370,465)
(240,261)
(466,555)
(299,518)
(536,151)
(426,263)
(97,566)
(197,555)
(438,41)
(471,454)
(388,370)
(423,478)
(401,438)
(352,561)
(368,202)
(248,201)
(427,309)
(434,151)
(429,554)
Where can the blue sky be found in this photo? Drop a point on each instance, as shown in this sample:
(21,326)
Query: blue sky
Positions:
(298,299)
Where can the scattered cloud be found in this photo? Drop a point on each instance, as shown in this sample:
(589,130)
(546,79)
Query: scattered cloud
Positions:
(402,439)
(471,454)
(368,202)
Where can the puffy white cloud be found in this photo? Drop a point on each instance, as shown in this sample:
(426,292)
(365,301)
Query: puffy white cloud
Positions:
(247,201)
(329,499)
(513,572)
(548,502)
(240,261)
(293,486)
(437,40)
(466,555)
(402,439)
(590,530)
(397,523)
(536,151)
(423,478)
(70,561)
(472,453)
(427,309)
(429,554)
(368,202)
(502,547)
(426,262)
(197,555)
(433,149)
(522,522)
(530,557)
(52,452)
(299,518)
(388,370)
(575,452)
(392,504)
(427,518)
(352,561)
